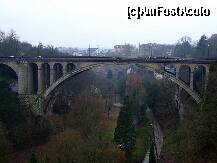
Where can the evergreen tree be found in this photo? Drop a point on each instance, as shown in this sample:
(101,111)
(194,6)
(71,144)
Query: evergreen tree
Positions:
(212,41)
(124,135)
(202,47)
(184,48)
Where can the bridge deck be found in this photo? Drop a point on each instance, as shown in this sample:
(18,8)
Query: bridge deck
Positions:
(107,59)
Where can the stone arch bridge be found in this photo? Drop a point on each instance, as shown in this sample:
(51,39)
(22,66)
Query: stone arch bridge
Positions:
(40,76)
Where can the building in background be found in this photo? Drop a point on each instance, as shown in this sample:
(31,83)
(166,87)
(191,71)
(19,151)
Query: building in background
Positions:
(157,50)
(125,50)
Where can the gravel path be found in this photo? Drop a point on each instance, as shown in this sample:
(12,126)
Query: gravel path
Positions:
(146,159)
(157,133)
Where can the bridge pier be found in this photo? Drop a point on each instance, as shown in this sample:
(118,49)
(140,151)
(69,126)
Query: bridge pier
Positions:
(177,71)
(30,80)
(22,79)
(41,82)
(64,69)
(52,76)
(192,68)
(192,80)
(206,77)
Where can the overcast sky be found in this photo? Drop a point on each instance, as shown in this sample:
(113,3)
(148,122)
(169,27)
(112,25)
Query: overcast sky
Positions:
(78,23)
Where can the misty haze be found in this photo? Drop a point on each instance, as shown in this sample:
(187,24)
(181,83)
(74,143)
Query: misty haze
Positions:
(106,81)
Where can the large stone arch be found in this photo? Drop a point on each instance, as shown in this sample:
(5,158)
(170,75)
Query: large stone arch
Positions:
(13,66)
(151,67)
(65,77)
(176,80)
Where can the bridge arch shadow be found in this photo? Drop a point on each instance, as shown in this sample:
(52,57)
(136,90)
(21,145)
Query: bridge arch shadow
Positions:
(58,68)
(9,76)
(70,67)
(33,82)
(199,79)
(184,74)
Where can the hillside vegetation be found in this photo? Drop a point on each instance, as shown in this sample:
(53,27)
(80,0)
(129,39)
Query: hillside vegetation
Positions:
(194,139)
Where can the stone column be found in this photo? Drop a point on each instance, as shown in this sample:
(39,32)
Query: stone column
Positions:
(22,79)
(177,71)
(192,67)
(52,76)
(64,69)
(41,83)
(192,79)
(206,78)
(30,80)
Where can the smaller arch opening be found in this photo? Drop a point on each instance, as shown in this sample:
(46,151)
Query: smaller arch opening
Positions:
(199,79)
(58,68)
(34,71)
(70,67)
(46,70)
